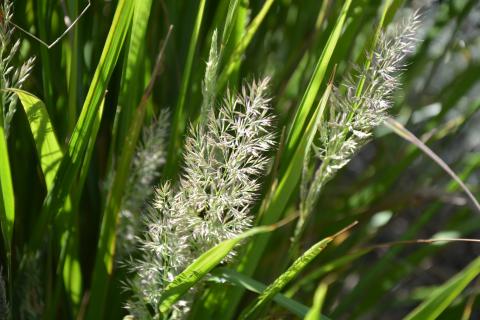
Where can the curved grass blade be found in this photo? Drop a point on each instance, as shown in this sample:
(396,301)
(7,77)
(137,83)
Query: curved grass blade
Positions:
(74,154)
(48,149)
(255,286)
(306,108)
(403,132)
(254,311)
(180,117)
(7,203)
(106,244)
(315,311)
(235,59)
(445,294)
(50,156)
(204,264)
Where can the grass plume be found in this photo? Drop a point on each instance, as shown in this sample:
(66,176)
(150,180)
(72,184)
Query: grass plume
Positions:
(224,156)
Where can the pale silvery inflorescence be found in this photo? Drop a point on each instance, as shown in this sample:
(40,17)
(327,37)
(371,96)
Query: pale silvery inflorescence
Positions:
(356,110)
(145,170)
(224,156)
(11,77)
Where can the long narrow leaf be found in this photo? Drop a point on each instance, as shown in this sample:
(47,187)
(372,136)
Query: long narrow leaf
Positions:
(255,286)
(306,107)
(315,311)
(253,312)
(203,265)
(444,296)
(236,57)
(7,204)
(72,160)
(48,149)
(50,155)
(106,245)
(180,117)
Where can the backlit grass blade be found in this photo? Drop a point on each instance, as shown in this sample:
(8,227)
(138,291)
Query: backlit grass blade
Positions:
(132,85)
(72,273)
(445,294)
(325,269)
(255,310)
(235,59)
(180,116)
(229,25)
(48,149)
(255,286)
(306,107)
(315,311)
(403,132)
(72,160)
(106,244)
(50,155)
(203,265)
(7,204)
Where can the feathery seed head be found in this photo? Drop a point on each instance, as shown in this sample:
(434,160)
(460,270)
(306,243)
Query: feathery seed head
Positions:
(224,155)
(356,109)
(11,77)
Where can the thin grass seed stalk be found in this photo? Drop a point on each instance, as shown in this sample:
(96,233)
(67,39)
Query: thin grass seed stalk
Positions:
(356,108)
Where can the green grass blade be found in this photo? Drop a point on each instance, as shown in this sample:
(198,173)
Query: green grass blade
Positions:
(203,265)
(315,311)
(106,245)
(180,116)
(7,205)
(235,59)
(72,160)
(72,273)
(445,294)
(306,107)
(325,269)
(255,286)
(50,156)
(48,149)
(254,311)
(131,86)
(229,25)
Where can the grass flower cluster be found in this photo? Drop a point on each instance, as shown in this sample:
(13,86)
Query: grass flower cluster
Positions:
(224,156)
(357,107)
(149,158)
(11,76)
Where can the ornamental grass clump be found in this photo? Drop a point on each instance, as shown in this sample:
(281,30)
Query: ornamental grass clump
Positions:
(224,156)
